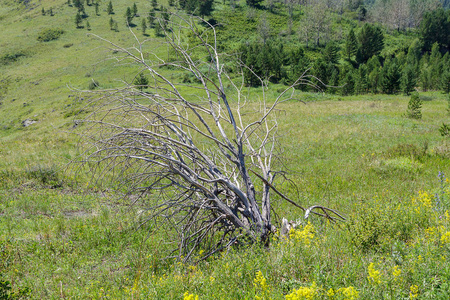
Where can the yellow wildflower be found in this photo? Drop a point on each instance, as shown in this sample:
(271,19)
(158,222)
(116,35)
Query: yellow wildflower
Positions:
(188,296)
(445,238)
(305,234)
(260,282)
(350,293)
(396,272)
(413,291)
(330,293)
(303,293)
(374,275)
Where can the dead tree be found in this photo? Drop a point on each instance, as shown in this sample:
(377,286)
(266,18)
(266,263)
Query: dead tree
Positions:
(191,151)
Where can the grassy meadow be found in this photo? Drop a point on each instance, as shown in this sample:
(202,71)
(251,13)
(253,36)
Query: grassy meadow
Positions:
(65,237)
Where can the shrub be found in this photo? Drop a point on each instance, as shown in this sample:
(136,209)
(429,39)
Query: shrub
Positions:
(445,130)
(414,107)
(49,34)
(10,58)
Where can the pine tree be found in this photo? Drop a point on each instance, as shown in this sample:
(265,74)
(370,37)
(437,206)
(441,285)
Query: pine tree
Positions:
(408,80)
(88,26)
(151,19)
(141,82)
(348,83)
(51,12)
(351,45)
(205,7)
(413,56)
(144,26)
(390,77)
(331,53)
(78,20)
(158,30)
(134,10)
(129,16)
(445,81)
(96,4)
(414,107)
(164,17)
(361,80)
(436,66)
(374,80)
(43,11)
(109,8)
(69,3)
(111,23)
(371,42)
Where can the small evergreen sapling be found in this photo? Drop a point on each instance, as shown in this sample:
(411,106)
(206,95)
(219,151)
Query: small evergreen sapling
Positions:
(414,107)
(78,20)
(134,10)
(144,26)
(96,4)
(141,82)
(109,8)
(129,16)
(111,23)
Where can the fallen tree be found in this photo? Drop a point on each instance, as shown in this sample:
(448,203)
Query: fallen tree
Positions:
(197,153)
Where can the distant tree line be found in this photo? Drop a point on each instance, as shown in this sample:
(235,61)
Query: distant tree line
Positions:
(356,65)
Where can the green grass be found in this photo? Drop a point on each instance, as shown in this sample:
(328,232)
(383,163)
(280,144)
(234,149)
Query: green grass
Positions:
(71,239)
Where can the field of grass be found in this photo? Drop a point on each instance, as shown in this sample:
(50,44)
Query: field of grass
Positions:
(61,238)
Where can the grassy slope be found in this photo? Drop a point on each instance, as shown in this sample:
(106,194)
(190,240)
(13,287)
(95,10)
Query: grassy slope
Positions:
(64,243)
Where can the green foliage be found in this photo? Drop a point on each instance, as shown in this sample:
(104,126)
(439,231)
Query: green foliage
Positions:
(371,42)
(390,77)
(97,5)
(109,8)
(141,81)
(347,82)
(78,20)
(414,110)
(448,104)
(10,58)
(409,79)
(444,130)
(155,4)
(445,81)
(253,3)
(151,19)
(351,45)
(111,23)
(49,34)
(134,10)
(143,25)
(45,175)
(6,292)
(264,60)
(129,16)
(331,53)
(435,28)
(93,84)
